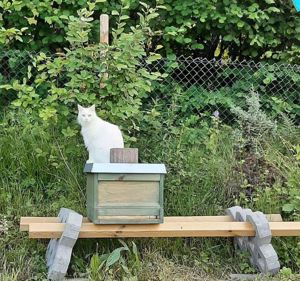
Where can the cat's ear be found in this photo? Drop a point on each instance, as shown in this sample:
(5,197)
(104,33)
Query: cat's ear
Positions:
(79,107)
(92,108)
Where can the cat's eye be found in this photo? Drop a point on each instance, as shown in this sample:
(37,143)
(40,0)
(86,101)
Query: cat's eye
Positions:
(89,115)
(83,115)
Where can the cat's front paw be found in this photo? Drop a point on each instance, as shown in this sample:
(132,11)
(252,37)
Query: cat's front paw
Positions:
(89,161)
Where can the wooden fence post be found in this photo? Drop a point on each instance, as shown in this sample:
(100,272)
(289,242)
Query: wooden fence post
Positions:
(104,38)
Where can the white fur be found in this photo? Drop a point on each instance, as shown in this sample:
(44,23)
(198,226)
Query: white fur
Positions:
(99,136)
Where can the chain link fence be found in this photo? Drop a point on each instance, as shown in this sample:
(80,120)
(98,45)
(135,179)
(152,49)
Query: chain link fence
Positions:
(215,86)
(200,85)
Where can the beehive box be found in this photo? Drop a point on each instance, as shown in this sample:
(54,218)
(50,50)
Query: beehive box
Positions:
(125,193)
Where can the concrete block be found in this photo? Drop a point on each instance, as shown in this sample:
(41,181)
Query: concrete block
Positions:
(233,211)
(268,260)
(245,277)
(263,234)
(59,251)
(263,256)
(241,216)
(238,242)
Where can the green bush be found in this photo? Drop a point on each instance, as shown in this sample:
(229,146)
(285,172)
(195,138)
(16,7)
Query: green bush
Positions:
(79,76)
(248,29)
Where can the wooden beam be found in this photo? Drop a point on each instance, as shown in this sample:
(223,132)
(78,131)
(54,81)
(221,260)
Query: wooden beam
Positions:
(25,221)
(104,38)
(124,155)
(167,229)
(104,28)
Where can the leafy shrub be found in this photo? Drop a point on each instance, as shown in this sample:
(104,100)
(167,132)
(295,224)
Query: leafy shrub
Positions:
(122,263)
(75,76)
(253,124)
(254,29)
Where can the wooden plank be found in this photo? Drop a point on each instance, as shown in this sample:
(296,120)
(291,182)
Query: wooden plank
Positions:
(129,211)
(129,177)
(91,194)
(166,229)
(104,28)
(104,38)
(25,221)
(127,220)
(124,155)
(126,217)
(133,192)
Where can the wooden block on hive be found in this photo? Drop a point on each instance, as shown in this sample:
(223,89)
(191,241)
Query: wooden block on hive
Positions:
(124,155)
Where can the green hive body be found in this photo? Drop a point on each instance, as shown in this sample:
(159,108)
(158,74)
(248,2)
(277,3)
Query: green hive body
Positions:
(121,193)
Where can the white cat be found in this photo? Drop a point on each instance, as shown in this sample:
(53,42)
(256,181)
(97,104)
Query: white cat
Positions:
(99,136)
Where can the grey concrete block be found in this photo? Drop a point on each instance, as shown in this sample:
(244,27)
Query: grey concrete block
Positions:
(233,211)
(59,251)
(263,256)
(253,253)
(241,216)
(263,234)
(268,260)
(268,266)
(245,277)
(237,241)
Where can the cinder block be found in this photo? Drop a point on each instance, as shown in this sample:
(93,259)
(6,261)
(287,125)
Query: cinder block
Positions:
(241,216)
(263,234)
(268,259)
(245,277)
(253,252)
(263,256)
(233,211)
(269,266)
(237,241)
(59,251)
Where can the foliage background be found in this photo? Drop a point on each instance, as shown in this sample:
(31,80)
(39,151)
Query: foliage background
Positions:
(266,29)
(213,161)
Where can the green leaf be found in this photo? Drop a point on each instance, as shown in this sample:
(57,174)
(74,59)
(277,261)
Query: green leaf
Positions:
(153,58)
(115,13)
(288,208)
(197,46)
(268,54)
(68,132)
(187,40)
(152,16)
(270,77)
(32,21)
(228,37)
(144,4)
(125,17)
(113,257)
(273,9)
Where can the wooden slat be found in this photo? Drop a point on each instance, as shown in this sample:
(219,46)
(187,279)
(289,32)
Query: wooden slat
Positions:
(128,220)
(133,192)
(104,38)
(25,221)
(142,218)
(129,177)
(124,155)
(167,229)
(141,211)
(104,28)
